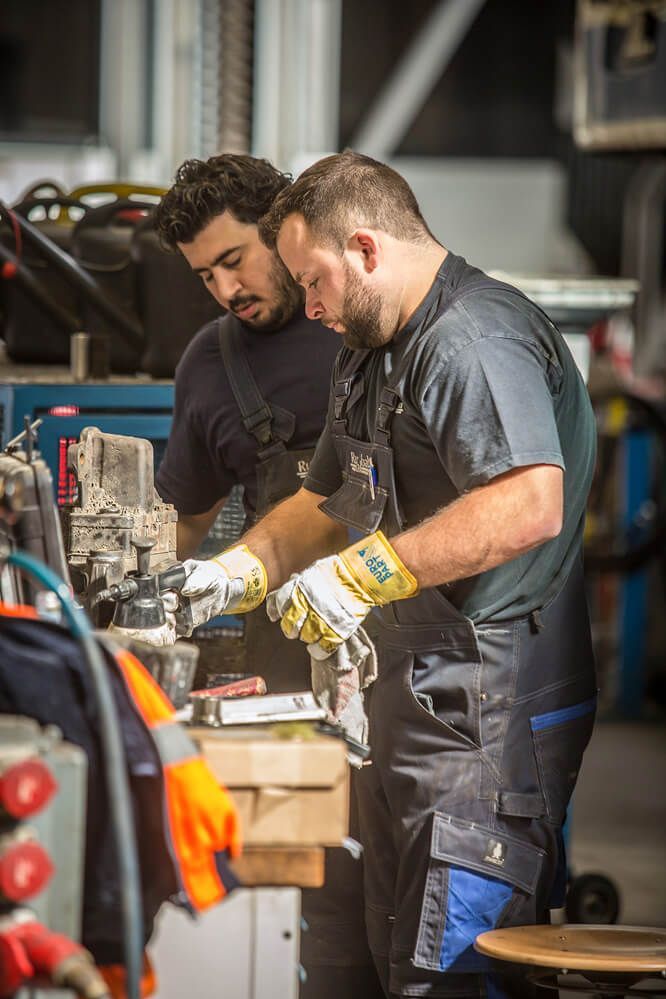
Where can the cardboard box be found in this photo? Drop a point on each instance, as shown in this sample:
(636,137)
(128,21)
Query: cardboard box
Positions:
(291,792)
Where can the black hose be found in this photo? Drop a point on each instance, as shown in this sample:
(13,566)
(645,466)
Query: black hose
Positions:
(37,291)
(129,330)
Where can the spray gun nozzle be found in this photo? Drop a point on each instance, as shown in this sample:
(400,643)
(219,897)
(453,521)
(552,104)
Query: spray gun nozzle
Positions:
(117,593)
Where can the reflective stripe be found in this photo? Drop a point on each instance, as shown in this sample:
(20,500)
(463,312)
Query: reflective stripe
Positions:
(173,743)
(551,718)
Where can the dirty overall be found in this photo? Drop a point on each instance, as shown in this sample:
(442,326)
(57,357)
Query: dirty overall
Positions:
(477,735)
(334,950)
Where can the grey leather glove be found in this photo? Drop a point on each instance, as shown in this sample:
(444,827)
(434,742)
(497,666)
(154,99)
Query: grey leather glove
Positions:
(234,581)
(339,679)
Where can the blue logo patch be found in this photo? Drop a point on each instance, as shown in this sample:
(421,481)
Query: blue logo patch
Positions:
(375,565)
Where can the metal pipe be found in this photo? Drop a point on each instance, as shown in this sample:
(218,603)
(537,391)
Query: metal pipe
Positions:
(25,434)
(295,41)
(129,330)
(421,66)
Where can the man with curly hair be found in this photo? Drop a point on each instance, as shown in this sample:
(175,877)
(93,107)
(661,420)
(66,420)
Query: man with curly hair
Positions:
(251,389)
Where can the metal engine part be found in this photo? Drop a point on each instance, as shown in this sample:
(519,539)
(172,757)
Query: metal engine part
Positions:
(117,501)
(172,666)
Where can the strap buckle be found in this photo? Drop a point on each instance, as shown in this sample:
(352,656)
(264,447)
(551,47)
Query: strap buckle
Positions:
(259,424)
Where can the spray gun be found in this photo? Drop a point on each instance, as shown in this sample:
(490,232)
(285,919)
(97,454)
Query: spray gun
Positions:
(138,600)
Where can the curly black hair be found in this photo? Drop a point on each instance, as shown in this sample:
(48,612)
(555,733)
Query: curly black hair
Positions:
(242,185)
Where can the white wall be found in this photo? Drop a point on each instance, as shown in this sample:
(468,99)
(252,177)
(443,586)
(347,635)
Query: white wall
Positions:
(499,214)
(22,164)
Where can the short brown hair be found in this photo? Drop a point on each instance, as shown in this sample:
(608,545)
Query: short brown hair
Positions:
(342,192)
(242,185)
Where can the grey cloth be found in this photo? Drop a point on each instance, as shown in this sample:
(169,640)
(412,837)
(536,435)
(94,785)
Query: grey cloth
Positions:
(338,682)
(489,385)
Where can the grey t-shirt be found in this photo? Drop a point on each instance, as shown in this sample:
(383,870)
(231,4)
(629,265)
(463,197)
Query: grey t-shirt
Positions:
(487,384)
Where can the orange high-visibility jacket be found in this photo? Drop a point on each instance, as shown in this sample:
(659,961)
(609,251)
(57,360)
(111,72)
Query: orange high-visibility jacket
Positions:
(202,819)
(201,825)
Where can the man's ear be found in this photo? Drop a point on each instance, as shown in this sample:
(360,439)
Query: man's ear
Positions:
(365,242)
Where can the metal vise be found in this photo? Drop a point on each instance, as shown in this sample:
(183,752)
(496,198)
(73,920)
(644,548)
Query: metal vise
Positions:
(117,503)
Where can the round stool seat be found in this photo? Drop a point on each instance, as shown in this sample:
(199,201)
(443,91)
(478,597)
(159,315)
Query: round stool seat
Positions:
(579,947)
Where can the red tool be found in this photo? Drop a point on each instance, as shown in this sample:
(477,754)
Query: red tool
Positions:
(239,688)
(28,949)
(15,968)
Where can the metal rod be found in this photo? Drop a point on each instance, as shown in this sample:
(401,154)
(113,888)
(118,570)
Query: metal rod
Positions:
(422,64)
(15,441)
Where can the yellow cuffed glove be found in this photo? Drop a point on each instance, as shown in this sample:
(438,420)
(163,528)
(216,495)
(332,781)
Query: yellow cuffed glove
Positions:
(326,603)
(232,582)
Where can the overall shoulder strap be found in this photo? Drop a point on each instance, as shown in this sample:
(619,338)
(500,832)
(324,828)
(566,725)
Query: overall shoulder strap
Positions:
(255,411)
(347,386)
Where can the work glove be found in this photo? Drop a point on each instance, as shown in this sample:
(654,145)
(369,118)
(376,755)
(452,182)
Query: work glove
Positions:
(232,582)
(326,603)
(338,680)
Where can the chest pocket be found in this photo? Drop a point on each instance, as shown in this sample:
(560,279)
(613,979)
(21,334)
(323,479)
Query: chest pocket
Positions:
(367,498)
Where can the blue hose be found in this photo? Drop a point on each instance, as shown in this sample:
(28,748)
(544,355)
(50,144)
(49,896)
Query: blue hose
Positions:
(115,763)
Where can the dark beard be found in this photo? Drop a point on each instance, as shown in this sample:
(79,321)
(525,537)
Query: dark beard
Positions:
(361,315)
(289,297)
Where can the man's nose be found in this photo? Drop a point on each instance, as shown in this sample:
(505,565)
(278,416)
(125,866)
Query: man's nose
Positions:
(226,284)
(313,307)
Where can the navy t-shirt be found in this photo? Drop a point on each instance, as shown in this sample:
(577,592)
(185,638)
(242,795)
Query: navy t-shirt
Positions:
(209,450)
(488,385)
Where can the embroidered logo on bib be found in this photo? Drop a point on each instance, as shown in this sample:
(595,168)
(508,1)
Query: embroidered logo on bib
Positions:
(360,463)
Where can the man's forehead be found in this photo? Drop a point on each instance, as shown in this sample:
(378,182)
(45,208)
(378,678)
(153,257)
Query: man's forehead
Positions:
(222,234)
(297,246)
(292,246)
(227,227)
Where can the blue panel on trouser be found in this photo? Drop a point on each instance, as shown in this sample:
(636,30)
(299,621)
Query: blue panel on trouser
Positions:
(552,718)
(474,904)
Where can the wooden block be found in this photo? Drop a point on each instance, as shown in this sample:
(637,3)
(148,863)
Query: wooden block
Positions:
(302,867)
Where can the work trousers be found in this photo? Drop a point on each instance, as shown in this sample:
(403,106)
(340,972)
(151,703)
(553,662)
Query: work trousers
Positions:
(478,735)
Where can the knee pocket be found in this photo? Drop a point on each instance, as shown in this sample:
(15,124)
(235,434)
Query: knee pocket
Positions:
(478,879)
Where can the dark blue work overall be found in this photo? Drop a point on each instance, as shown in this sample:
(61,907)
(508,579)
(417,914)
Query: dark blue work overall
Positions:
(477,735)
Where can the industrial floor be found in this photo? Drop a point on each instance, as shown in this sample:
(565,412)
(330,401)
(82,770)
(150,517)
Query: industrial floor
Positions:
(618,819)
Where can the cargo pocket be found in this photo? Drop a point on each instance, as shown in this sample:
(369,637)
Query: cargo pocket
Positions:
(476,878)
(560,738)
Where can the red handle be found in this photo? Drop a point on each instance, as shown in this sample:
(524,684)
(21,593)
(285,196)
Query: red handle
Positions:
(239,688)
